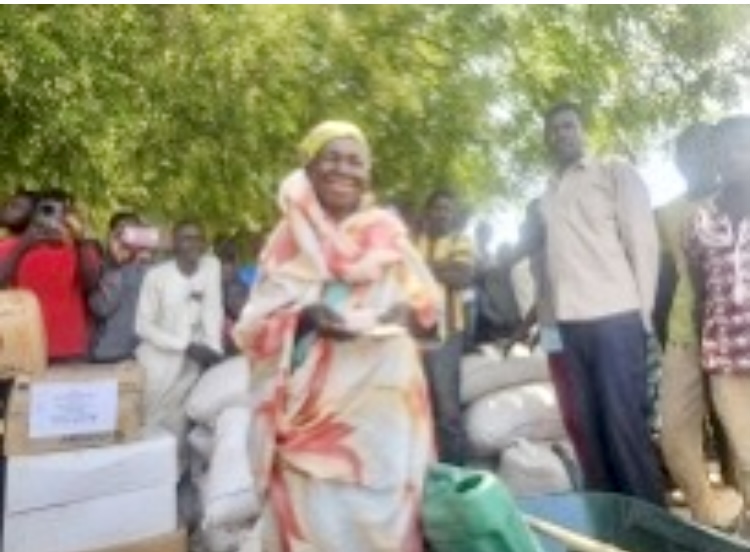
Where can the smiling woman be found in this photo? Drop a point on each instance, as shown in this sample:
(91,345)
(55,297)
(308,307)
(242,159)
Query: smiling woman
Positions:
(342,435)
(340,169)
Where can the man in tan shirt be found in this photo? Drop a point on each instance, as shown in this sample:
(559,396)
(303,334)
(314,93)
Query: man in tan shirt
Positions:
(602,257)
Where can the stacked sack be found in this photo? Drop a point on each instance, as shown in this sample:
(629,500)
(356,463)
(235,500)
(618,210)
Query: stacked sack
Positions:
(513,422)
(81,474)
(220,406)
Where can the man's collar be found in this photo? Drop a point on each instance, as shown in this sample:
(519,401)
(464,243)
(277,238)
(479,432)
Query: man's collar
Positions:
(583,163)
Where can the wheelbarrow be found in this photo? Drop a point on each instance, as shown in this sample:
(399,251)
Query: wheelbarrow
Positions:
(618,522)
(465,510)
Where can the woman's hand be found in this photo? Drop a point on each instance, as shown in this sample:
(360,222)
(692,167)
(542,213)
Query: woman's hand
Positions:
(403,315)
(326,322)
(399,314)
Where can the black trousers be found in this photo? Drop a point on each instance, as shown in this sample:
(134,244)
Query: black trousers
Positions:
(443,371)
(606,377)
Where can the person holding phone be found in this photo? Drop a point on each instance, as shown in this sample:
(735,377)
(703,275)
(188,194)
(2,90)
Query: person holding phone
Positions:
(113,302)
(52,258)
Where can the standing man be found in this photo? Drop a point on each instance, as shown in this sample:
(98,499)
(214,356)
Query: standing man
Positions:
(719,257)
(683,404)
(450,256)
(602,262)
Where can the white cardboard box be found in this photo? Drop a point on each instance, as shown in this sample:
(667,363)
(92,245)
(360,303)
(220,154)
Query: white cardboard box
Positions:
(74,407)
(64,478)
(94,524)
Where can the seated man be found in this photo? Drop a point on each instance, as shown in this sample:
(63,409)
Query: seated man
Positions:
(499,313)
(113,302)
(51,259)
(179,322)
(449,255)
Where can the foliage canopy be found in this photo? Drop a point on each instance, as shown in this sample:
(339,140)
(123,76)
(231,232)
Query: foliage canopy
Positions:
(194,110)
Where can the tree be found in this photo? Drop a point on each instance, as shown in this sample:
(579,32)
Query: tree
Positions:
(195,109)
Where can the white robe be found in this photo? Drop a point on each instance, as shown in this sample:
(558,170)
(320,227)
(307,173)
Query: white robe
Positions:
(174,311)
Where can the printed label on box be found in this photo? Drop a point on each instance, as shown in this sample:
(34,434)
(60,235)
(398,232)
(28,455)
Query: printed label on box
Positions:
(72,408)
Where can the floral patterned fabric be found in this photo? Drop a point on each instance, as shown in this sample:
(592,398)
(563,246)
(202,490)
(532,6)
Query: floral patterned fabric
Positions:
(342,429)
(722,254)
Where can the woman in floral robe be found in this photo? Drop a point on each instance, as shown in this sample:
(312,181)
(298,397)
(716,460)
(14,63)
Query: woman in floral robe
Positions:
(342,427)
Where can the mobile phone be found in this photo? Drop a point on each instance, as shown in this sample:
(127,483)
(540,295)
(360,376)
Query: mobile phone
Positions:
(141,237)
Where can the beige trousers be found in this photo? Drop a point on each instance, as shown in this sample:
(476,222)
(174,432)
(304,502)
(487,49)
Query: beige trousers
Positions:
(683,410)
(731,396)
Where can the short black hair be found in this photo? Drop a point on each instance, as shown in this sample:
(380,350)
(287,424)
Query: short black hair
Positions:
(184,223)
(440,193)
(227,247)
(25,192)
(55,194)
(563,107)
(121,216)
(730,127)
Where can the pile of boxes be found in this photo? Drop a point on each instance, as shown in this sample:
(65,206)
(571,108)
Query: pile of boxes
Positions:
(81,474)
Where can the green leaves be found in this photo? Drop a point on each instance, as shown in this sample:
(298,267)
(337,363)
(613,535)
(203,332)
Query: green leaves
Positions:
(197,109)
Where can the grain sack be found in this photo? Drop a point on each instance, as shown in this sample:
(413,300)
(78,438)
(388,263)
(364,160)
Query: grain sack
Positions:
(253,539)
(237,539)
(529,411)
(481,375)
(229,497)
(530,469)
(23,338)
(223,386)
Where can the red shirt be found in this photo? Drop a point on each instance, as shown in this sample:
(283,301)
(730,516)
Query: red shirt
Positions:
(51,272)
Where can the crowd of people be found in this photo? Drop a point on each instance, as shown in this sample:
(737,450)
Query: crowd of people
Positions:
(359,316)
(129,298)
(643,314)
(616,283)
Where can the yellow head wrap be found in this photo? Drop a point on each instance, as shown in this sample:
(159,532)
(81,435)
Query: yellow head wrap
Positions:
(324,133)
